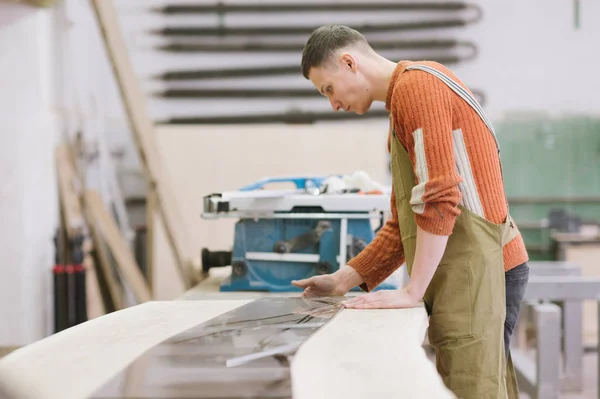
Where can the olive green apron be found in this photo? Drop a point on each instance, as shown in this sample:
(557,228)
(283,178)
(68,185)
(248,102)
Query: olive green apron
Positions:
(466,298)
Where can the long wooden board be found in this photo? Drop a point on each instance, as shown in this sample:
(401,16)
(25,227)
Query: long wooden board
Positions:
(109,230)
(358,354)
(113,287)
(76,362)
(144,134)
(70,201)
(368,354)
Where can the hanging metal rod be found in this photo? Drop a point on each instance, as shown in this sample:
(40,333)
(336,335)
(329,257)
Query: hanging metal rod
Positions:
(249,93)
(202,74)
(306,30)
(237,93)
(308,7)
(292,117)
(266,47)
(289,118)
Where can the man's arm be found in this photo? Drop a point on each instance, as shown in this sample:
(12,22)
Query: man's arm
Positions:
(425,107)
(383,255)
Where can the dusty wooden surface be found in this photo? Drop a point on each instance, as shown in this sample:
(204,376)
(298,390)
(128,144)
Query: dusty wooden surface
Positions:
(360,353)
(368,354)
(75,362)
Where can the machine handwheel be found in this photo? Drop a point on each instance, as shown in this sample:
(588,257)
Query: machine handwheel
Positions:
(239,268)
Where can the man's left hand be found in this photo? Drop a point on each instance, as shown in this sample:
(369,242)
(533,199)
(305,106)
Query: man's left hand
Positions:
(384,299)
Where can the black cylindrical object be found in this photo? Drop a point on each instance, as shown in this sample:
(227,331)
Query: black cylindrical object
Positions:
(77,293)
(81,315)
(212,259)
(61,310)
(71,299)
(59,277)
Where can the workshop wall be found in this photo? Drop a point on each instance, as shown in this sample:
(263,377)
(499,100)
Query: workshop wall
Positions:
(517,67)
(513,69)
(529,62)
(550,164)
(28,197)
(230,157)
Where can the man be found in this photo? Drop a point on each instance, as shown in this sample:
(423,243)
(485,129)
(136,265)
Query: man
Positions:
(450,221)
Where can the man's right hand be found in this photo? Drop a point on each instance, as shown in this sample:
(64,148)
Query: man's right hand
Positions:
(336,284)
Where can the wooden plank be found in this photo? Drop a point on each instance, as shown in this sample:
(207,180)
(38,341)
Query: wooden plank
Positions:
(150,227)
(113,287)
(70,200)
(111,234)
(144,134)
(368,354)
(358,354)
(78,361)
(95,303)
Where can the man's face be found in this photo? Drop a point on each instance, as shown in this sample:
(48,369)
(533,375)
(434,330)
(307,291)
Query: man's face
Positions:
(343,84)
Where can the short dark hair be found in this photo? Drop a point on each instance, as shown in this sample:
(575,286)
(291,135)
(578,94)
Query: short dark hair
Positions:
(324,41)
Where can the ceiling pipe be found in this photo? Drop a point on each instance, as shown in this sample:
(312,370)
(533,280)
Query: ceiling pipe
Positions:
(222,8)
(249,93)
(378,45)
(205,74)
(222,31)
(293,117)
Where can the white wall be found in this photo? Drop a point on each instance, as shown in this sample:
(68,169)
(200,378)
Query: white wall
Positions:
(28,198)
(528,61)
(531,59)
(530,56)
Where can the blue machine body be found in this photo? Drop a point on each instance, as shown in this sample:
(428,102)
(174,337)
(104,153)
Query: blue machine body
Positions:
(271,271)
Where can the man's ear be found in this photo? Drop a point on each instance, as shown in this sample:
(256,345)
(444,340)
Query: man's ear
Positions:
(349,62)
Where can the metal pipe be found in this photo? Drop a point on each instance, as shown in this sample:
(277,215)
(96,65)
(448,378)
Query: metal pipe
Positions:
(201,74)
(378,45)
(294,117)
(221,8)
(242,93)
(233,93)
(288,118)
(306,30)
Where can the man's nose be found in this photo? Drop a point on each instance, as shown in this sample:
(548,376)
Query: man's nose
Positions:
(335,104)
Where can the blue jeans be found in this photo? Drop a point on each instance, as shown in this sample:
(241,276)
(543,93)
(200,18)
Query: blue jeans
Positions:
(516,283)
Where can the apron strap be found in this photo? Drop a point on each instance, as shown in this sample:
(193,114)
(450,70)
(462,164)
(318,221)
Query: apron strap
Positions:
(509,232)
(464,94)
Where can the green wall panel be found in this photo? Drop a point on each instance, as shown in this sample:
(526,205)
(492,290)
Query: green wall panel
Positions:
(550,163)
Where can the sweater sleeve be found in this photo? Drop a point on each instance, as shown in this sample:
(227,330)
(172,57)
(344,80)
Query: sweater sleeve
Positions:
(423,104)
(378,260)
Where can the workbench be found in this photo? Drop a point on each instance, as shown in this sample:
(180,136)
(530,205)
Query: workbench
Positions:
(355,354)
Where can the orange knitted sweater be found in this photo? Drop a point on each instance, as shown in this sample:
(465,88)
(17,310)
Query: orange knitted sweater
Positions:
(455,159)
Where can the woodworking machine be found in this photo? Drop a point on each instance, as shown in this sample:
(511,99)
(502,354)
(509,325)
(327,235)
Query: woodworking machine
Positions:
(285,235)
